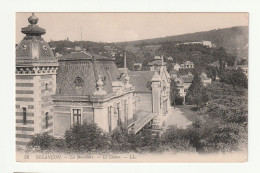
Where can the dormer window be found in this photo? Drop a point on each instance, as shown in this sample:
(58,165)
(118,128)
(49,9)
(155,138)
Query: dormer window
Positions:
(78,81)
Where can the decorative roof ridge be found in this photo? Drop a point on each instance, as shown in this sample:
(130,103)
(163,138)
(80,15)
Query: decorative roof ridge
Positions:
(88,56)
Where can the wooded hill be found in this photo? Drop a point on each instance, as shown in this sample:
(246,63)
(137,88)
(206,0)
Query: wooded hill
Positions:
(234,40)
(229,38)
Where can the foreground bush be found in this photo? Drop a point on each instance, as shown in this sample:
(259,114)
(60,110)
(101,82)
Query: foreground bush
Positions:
(87,137)
(120,139)
(45,141)
(177,140)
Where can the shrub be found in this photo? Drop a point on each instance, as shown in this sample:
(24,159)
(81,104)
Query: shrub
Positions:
(177,140)
(87,137)
(42,141)
(119,138)
(59,144)
(144,141)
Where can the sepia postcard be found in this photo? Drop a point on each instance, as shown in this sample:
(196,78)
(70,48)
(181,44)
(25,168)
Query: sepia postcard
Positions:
(131,87)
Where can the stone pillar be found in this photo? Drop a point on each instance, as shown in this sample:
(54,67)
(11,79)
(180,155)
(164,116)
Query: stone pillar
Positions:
(37,104)
(130,107)
(101,116)
(156,93)
(113,118)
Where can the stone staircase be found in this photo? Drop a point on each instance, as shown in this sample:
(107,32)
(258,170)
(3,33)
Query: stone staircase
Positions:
(156,125)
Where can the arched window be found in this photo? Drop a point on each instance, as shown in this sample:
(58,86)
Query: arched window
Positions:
(46,86)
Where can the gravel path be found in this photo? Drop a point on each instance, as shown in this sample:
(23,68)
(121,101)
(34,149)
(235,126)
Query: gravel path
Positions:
(177,118)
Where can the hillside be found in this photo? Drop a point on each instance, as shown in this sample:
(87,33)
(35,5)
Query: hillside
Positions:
(229,38)
(234,40)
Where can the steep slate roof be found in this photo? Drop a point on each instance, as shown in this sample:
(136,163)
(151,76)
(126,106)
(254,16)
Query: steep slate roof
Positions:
(30,44)
(141,80)
(87,67)
(33,49)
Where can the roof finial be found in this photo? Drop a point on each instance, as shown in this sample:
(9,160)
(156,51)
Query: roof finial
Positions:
(33,20)
(100,84)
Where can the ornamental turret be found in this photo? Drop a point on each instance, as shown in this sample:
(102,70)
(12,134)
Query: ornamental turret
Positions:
(35,73)
(33,49)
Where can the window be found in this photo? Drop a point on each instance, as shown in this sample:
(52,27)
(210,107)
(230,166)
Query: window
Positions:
(46,86)
(46,119)
(76,116)
(24,116)
(78,81)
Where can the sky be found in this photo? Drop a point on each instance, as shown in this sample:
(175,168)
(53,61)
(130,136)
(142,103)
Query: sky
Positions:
(118,27)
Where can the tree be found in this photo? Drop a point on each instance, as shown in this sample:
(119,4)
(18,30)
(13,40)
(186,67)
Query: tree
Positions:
(195,91)
(174,92)
(234,77)
(147,58)
(238,78)
(223,125)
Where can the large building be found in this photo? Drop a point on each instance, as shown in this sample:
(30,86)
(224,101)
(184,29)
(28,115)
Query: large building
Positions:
(55,93)
(204,43)
(90,89)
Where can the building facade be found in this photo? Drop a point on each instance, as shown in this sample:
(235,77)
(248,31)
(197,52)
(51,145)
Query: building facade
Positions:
(156,64)
(91,89)
(55,93)
(152,94)
(35,74)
